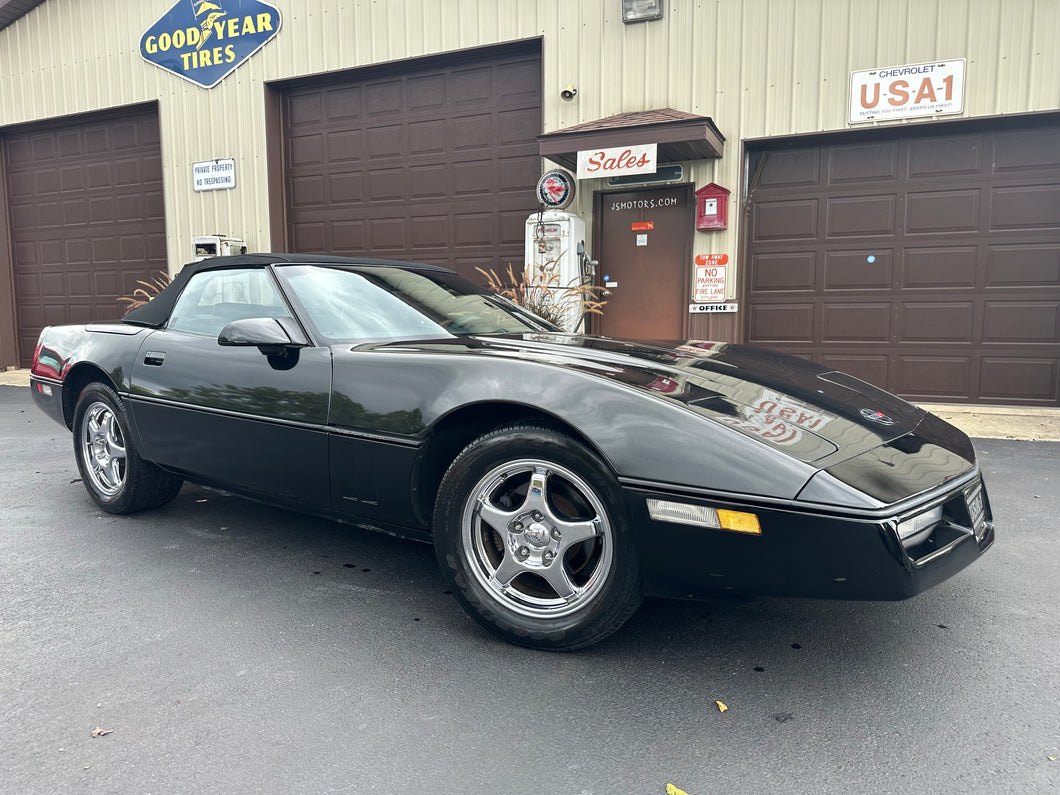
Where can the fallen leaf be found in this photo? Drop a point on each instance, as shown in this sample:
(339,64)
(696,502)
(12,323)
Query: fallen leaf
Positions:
(98,732)
(721,707)
(672,790)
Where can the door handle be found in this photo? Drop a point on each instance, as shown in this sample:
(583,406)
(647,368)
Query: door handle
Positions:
(155,358)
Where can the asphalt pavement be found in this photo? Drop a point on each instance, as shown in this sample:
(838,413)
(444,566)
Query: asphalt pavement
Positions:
(221,646)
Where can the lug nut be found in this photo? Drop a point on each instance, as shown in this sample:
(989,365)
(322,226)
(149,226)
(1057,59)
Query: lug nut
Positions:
(549,556)
(523,553)
(555,534)
(517,526)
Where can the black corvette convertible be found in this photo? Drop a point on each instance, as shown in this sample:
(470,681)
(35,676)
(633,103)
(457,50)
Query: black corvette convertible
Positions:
(561,478)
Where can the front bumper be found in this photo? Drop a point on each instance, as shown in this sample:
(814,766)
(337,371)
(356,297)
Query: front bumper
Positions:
(809,553)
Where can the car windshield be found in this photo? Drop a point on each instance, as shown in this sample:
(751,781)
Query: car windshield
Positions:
(359,303)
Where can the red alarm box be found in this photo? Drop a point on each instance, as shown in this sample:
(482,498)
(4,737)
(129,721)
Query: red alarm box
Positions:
(712,207)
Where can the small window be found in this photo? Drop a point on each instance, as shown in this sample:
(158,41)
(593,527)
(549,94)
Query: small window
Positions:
(213,299)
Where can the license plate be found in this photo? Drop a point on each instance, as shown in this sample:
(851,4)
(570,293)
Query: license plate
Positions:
(974,500)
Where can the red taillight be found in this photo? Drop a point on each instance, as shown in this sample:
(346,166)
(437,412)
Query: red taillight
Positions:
(45,361)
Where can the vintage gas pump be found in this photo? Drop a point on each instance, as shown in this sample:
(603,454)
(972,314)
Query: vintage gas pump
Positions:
(555,253)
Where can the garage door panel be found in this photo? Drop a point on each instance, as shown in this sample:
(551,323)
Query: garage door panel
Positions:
(1027,207)
(78,251)
(428,182)
(345,147)
(938,212)
(518,174)
(517,127)
(796,168)
(969,276)
(951,267)
(785,220)
(856,322)
(788,322)
(1021,321)
(347,236)
(98,176)
(949,321)
(1025,150)
(310,237)
(927,377)
(343,188)
(945,156)
(306,150)
(863,163)
(1035,265)
(861,216)
(1025,379)
(307,191)
(426,92)
(384,141)
(428,137)
(784,272)
(385,184)
(868,269)
(383,98)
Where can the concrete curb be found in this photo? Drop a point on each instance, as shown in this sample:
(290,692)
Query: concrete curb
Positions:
(985,422)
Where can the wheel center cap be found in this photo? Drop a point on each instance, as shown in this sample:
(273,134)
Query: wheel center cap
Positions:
(537,534)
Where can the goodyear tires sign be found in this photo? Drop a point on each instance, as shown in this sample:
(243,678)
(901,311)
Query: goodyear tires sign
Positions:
(205,40)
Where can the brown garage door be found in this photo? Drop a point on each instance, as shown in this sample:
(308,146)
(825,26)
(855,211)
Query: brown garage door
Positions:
(925,263)
(433,160)
(87,218)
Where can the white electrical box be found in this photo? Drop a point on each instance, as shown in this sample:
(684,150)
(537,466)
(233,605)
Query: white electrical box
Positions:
(554,243)
(218,246)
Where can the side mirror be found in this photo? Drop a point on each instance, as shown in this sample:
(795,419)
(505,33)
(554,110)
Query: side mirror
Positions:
(266,334)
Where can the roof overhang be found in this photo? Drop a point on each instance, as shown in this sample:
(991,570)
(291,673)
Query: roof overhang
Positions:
(11,10)
(680,136)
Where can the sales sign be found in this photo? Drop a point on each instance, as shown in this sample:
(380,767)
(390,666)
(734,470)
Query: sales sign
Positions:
(902,92)
(594,163)
(205,40)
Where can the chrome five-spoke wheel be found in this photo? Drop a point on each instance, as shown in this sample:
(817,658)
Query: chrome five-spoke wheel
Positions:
(531,531)
(115,475)
(103,448)
(537,538)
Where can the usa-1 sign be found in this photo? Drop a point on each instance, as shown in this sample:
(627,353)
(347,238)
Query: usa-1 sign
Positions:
(902,92)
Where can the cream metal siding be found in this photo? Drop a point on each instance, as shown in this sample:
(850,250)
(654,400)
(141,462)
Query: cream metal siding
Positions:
(758,67)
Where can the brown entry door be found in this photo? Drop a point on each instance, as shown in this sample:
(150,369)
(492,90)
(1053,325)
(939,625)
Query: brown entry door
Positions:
(643,247)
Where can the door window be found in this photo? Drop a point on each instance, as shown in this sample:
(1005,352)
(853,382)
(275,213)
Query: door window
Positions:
(213,299)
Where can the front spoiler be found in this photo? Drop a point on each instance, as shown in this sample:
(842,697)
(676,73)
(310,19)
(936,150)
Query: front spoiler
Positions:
(800,553)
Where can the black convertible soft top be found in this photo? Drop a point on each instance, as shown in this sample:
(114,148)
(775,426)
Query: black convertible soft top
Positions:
(156,311)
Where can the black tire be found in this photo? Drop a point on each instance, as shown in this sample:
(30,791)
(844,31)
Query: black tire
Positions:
(111,468)
(531,532)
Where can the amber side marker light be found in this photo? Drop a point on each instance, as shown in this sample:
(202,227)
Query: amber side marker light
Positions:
(703,516)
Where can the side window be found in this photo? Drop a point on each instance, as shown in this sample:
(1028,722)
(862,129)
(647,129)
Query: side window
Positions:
(213,299)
